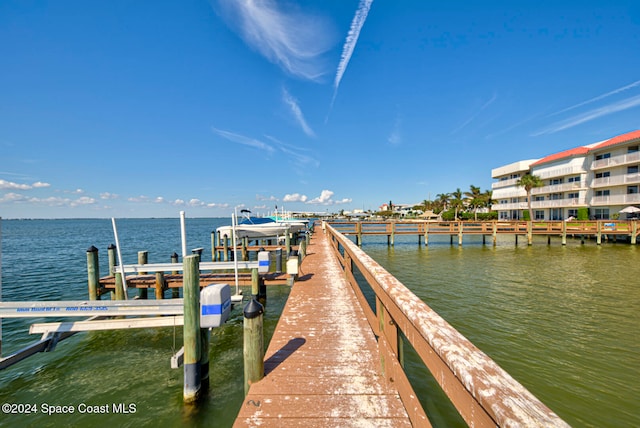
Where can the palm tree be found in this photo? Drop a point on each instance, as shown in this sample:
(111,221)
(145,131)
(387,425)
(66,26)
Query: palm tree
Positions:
(487,199)
(474,199)
(529,182)
(443,199)
(456,201)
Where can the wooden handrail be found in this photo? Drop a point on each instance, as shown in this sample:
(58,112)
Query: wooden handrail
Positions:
(482,392)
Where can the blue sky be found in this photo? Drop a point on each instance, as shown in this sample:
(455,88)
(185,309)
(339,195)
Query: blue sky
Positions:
(138,108)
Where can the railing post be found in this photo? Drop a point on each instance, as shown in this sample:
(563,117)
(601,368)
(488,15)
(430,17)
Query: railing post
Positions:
(93,272)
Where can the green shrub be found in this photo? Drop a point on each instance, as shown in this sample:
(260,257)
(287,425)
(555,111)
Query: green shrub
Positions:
(583,213)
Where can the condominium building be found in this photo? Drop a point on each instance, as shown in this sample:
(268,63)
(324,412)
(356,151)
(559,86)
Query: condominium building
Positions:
(602,177)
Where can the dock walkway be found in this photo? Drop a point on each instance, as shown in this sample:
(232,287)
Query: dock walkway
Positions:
(322,366)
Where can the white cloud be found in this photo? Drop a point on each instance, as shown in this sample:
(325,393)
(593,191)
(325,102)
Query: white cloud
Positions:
(266,198)
(294,197)
(297,112)
(10,185)
(107,195)
(284,35)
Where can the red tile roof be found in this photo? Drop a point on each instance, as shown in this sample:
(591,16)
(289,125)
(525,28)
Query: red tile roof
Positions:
(584,150)
(566,154)
(619,139)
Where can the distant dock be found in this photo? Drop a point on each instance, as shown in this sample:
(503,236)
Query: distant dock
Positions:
(597,229)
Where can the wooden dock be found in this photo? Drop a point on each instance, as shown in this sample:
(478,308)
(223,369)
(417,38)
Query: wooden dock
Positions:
(322,366)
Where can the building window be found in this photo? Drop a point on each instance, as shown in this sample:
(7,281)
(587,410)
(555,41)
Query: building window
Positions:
(555,181)
(572,213)
(573,195)
(539,198)
(632,149)
(602,192)
(602,213)
(555,196)
(603,174)
(575,179)
(603,156)
(632,189)
(632,169)
(539,214)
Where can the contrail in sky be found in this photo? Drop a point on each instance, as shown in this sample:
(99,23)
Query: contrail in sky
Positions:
(350,44)
(599,97)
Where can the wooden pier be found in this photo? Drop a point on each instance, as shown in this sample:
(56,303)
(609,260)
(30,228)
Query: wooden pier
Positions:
(336,361)
(322,364)
(598,229)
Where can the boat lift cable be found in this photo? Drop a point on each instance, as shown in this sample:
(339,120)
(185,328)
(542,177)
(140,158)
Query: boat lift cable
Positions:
(124,280)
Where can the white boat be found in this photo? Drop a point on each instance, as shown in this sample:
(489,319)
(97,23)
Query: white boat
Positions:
(256,228)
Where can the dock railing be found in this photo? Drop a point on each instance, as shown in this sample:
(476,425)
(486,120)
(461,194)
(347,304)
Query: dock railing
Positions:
(481,391)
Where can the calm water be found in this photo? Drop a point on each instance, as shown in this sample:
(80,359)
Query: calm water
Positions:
(561,320)
(46,260)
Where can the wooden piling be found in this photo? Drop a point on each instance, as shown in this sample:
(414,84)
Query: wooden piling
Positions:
(111,253)
(225,248)
(143,259)
(253,346)
(160,285)
(93,272)
(214,255)
(255,277)
(598,233)
(494,233)
(175,292)
(192,336)
(119,295)
(530,232)
(564,233)
(460,232)
(634,231)
(278,260)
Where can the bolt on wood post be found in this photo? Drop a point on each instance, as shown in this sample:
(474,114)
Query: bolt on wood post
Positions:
(253,346)
(93,272)
(191,332)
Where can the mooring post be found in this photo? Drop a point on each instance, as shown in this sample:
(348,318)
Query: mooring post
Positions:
(598,233)
(255,278)
(119,294)
(303,249)
(287,243)
(225,248)
(160,287)
(213,246)
(253,349)
(278,260)
(93,272)
(460,232)
(175,291)
(564,232)
(530,232)
(111,254)
(494,233)
(143,258)
(634,231)
(191,334)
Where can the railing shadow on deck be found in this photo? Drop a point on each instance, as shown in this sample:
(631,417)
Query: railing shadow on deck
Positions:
(481,391)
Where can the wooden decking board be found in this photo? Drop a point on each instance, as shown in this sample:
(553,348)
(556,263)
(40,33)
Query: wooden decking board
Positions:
(322,367)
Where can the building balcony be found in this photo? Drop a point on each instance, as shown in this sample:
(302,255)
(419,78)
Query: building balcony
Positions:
(509,207)
(559,172)
(557,188)
(616,161)
(616,180)
(504,183)
(625,199)
(559,203)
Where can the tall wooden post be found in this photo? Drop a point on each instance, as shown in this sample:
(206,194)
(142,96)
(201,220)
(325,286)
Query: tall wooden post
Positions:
(253,346)
(634,231)
(530,232)
(426,234)
(119,294)
(93,272)
(564,232)
(160,285)
(111,253)
(599,232)
(225,250)
(214,254)
(460,232)
(143,258)
(192,338)
(494,233)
